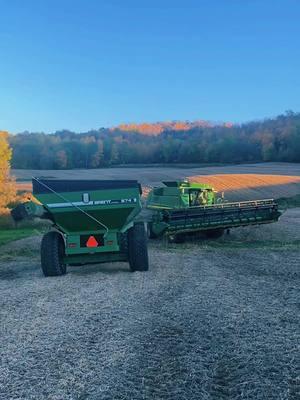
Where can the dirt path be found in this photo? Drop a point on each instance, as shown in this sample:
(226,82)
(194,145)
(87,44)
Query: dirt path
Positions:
(210,320)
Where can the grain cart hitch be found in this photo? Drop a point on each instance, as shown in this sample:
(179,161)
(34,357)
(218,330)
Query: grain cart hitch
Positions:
(93,221)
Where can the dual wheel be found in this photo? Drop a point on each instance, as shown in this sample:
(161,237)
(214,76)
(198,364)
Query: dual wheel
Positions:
(53,251)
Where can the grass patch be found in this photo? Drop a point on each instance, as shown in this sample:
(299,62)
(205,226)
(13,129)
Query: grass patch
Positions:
(289,202)
(9,235)
(10,232)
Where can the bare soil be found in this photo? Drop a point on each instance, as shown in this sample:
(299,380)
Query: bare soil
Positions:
(239,182)
(212,319)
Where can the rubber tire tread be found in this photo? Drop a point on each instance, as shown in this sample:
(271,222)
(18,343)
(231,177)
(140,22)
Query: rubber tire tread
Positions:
(150,233)
(52,250)
(138,248)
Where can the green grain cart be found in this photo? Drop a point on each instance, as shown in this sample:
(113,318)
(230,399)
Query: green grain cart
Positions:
(92,222)
(182,207)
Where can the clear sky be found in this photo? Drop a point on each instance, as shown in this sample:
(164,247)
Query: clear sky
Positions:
(82,64)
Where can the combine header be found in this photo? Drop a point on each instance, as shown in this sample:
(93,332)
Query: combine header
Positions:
(184,207)
(92,222)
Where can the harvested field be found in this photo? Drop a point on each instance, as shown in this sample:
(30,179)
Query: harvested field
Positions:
(252,186)
(211,320)
(240,182)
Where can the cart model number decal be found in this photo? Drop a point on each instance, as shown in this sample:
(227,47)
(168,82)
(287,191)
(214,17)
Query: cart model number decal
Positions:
(119,201)
(85,197)
(108,202)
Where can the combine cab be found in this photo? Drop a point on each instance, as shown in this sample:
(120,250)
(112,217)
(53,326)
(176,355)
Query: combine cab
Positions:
(179,208)
(92,222)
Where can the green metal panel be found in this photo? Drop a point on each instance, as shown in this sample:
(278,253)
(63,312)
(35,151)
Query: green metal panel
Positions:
(73,244)
(188,207)
(180,195)
(75,221)
(114,208)
(92,216)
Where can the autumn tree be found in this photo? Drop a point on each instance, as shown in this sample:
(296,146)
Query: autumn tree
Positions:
(275,139)
(7,184)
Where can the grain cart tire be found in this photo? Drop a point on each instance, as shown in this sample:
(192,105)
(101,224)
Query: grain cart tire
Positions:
(52,252)
(137,248)
(123,242)
(150,233)
(214,233)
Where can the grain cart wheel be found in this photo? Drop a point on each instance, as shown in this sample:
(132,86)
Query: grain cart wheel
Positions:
(150,233)
(137,248)
(52,252)
(214,233)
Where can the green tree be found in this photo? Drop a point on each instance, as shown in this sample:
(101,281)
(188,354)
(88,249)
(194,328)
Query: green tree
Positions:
(61,159)
(97,157)
(114,157)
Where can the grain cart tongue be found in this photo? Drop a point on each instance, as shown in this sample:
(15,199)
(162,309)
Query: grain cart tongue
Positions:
(185,207)
(93,222)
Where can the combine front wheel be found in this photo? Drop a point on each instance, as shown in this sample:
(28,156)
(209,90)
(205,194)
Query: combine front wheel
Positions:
(52,252)
(137,248)
(214,233)
(176,238)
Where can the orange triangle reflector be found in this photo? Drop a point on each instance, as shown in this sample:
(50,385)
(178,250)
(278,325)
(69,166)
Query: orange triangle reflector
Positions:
(92,242)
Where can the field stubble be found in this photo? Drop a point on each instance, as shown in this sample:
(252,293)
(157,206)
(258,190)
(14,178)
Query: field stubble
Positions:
(240,182)
(210,320)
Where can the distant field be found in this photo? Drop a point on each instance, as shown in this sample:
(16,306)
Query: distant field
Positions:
(246,181)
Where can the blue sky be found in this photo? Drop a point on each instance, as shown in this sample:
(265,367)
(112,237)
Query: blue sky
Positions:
(82,64)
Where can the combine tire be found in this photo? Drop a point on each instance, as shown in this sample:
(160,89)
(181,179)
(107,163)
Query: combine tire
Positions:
(179,238)
(19,213)
(150,233)
(52,252)
(214,233)
(137,248)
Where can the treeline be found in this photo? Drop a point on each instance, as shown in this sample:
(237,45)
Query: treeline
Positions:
(275,139)
(7,184)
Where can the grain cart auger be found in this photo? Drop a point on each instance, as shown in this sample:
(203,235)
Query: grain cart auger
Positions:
(92,222)
(179,208)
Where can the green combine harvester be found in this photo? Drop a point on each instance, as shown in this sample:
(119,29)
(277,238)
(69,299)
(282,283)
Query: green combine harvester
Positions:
(92,222)
(181,207)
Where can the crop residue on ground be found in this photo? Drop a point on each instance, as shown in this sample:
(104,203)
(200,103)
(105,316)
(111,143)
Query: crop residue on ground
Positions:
(209,320)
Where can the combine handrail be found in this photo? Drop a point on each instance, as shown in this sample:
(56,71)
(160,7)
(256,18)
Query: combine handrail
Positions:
(235,204)
(238,204)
